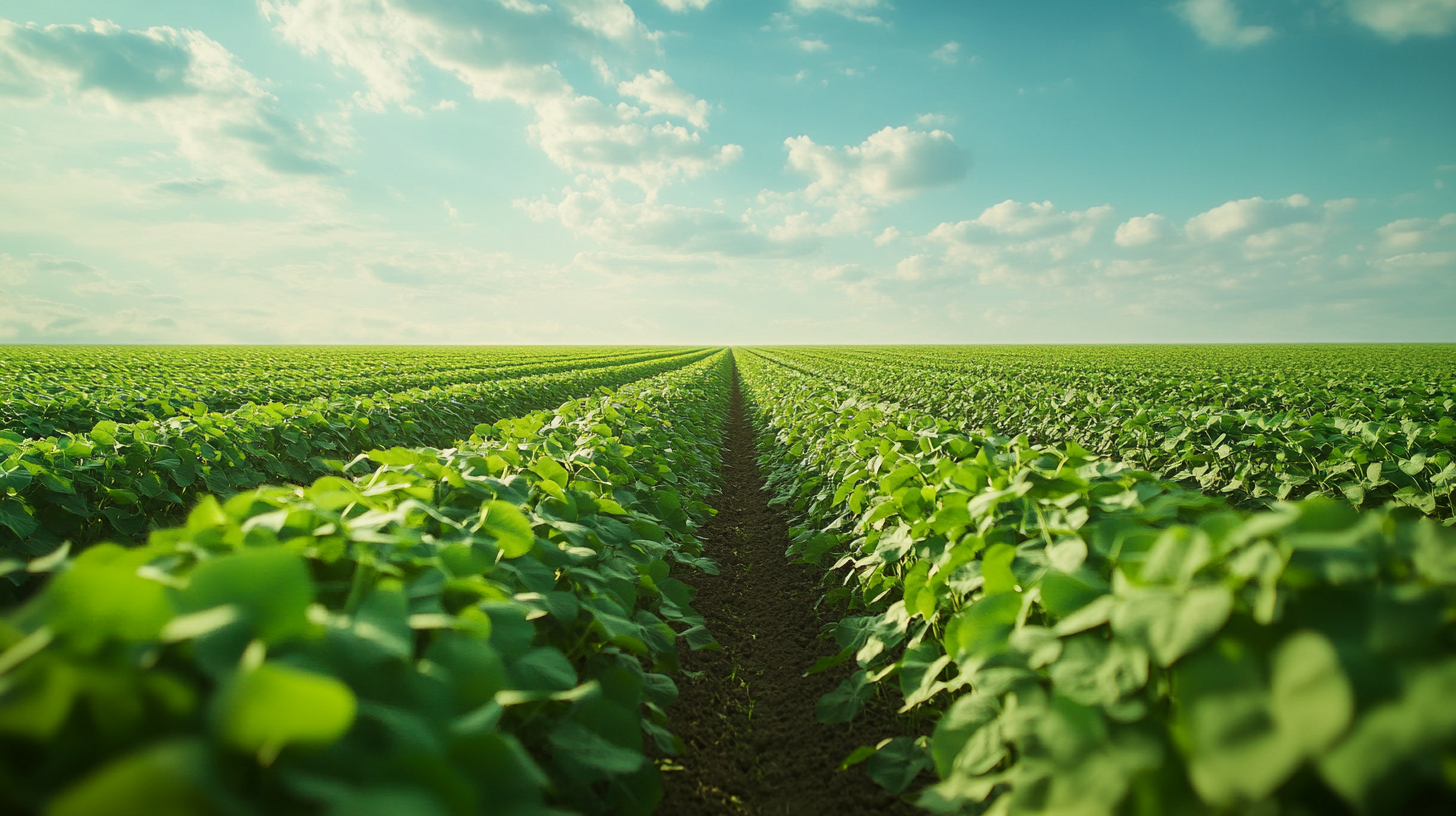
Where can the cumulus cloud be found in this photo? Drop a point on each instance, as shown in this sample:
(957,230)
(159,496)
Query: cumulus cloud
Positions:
(596,213)
(1216,22)
(890,166)
(811,46)
(1409,233)
(853,9)
(1011,237)
(1141,230)
(685,5)
(180,81)
(508,51)
(1263,228)
(1235,218)
(1242,249)
(1398,19)
(664,98)
(950,53)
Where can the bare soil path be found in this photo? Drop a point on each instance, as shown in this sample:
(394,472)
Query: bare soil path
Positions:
(753,745)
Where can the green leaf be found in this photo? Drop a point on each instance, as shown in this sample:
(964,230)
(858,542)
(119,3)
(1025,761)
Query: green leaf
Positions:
(982,628)
(101,596)
(577,745)
(13,515)
(967,738)
(845,701)
(270,586)
(1395,739)
(897,762)
(1311,699)
(1236,752)
(402,457)
(996,569)
(1171,623)
(543,668)
(551,470)
(104,433)
(272,706)
(509,527)
(165,779)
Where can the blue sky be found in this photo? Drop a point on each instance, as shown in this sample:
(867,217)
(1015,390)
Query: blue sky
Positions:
(705,171)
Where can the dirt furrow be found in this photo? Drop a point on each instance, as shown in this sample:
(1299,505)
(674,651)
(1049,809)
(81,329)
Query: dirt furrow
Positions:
(747,713)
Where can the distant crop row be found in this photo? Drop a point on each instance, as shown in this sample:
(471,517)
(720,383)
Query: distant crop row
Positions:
(483,629)
(46,391)
(119,479)
(1087,637)
(1369,435)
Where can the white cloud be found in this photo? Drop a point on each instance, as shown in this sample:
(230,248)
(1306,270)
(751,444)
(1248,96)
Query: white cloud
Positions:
(1217,23)
(811,46)
(891,165)
(854,182)
(664,97)
(1398,19)
(182,82)
(933,119)
(1012,239)
(950,53)
(1409,233)
(1141,230)
(853,9)
(508,51)
(1246,215)
(685,5)
(917,267)
(886,237)
(1404,269)
(596,213)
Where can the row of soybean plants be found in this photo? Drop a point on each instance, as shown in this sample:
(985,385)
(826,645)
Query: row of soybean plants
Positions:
(1088,638)
(1373,436)
(487,629)
(122,479)
(46,391)
(1371,381)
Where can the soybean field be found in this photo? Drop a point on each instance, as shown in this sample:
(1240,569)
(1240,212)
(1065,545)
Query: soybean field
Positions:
(513,581)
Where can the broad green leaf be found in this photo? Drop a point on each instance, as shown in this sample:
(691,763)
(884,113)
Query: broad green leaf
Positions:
(269,585)
(1171,622)
(164,779)
(509,527)
(265,709)
(844,702)
(982,628)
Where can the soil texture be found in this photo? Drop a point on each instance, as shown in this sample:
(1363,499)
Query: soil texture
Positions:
(746,713)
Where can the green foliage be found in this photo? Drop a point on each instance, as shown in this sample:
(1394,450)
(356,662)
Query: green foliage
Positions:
(56,390)
(126,479)
(1093,639)
(487,629)
(1370,424)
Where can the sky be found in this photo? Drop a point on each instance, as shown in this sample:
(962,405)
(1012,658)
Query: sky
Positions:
(727,171)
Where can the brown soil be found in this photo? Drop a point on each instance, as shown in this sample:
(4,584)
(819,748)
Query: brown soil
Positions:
(753,745)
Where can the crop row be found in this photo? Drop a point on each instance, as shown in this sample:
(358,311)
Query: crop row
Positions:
(70,391)
(1408,457)
(488,629)
(121,479)
(1379,382)
(1089,638)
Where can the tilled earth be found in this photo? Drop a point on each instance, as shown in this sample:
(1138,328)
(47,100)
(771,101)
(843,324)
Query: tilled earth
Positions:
(753,745)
